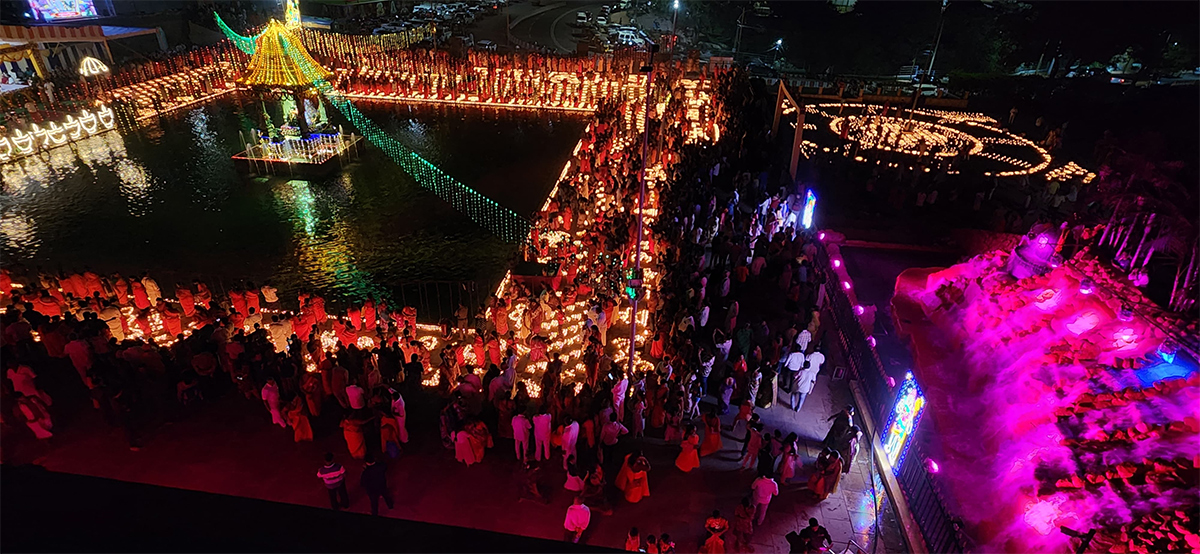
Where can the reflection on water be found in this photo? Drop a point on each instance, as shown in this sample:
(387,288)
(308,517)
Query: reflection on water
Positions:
(325,256)
(297,196)
(169,200)
(135,186)
(101,149)
(18,230)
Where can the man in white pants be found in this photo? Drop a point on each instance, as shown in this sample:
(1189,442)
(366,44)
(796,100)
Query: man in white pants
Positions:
(803,385)
(570,434)
(521,428)
(541,436)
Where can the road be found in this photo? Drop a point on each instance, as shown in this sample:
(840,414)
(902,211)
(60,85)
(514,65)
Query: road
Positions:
(552,26)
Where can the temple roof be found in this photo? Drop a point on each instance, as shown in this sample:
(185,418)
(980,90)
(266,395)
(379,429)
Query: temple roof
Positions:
(281,60)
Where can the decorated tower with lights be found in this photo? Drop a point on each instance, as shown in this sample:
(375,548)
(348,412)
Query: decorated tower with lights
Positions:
(281,70)
(275,69)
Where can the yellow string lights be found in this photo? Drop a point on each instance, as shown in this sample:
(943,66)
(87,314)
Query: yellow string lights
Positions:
(90,67)
(281,60)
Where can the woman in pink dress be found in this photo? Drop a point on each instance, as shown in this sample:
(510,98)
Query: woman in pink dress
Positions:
(712,434)
(688,458)
(789,460)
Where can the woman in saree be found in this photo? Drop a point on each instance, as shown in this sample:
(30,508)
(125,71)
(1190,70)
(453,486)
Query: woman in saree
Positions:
(712,434)
(689,458)
(824,480)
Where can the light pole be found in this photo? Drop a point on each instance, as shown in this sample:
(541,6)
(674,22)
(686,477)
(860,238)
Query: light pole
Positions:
(777,48)
(634,282)
(936,42)
(737,37)
(674,17)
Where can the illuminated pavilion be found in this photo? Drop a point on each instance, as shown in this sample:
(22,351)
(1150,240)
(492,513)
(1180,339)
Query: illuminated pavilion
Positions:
(276,67)
(280,66)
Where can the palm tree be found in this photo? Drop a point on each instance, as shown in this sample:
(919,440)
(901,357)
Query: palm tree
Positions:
(1151,212)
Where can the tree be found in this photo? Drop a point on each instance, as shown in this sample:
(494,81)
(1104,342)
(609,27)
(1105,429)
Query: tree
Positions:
(1150,213)
(1177,57)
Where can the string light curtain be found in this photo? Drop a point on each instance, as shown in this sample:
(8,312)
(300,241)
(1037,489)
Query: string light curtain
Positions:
(329,46)
(245,44)
(280,60)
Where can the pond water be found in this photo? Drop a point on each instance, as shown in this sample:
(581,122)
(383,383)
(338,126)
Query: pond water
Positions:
(167,199)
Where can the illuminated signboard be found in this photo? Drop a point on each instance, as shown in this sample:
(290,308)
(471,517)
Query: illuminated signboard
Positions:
(906,414)
(810,204)
(50,10)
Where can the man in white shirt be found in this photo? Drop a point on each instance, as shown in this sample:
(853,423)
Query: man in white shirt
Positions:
(356,396)
(153,293)
(706,366)
(803,385)
(816,359)
(685,322)
(577,520)
(111,315)
(803,339)
(762,489)
(619,391)
(793,363)
(280,333)
(609,435)
(252,318)
(270,294)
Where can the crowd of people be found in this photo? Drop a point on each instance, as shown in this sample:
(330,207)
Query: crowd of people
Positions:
(142,356)
(524,79)
(721,237)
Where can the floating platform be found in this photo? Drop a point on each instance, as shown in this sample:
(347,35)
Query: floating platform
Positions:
(318,154)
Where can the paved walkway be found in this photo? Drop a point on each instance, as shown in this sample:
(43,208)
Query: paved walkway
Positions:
(228,446)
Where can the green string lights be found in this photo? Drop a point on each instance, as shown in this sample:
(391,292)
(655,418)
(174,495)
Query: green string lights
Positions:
(500,221)
(245,44)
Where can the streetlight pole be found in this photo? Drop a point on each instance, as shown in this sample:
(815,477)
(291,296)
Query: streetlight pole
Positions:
(737,37)
(637,260)
(936,42)
(674,17)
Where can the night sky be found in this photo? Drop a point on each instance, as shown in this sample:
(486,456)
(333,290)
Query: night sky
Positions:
(878,37)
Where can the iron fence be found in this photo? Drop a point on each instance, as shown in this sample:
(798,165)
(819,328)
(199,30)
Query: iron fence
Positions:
(938,527)
(439,300)
(925,501)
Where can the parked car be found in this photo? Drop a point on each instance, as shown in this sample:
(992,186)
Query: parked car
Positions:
(623,36)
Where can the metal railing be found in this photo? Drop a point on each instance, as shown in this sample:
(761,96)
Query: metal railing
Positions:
(928,507)
(434,300)
(925,502)
(437,300)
